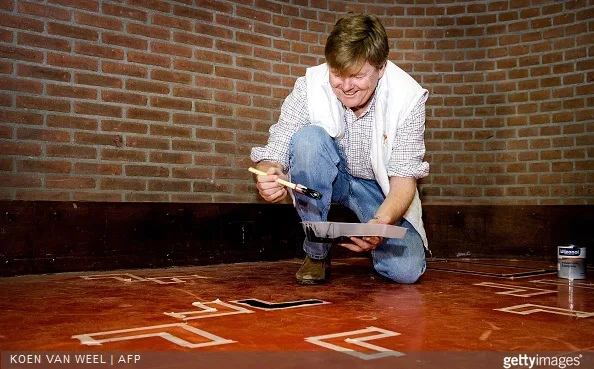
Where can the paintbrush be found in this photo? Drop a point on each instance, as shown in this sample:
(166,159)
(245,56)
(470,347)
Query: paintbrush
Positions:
(297,187)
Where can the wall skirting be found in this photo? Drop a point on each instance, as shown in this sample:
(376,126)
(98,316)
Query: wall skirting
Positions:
(51,237)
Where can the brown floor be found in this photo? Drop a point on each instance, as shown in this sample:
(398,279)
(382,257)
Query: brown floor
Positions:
(358,319)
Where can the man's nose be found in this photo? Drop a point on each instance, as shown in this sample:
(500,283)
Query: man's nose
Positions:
(347,84)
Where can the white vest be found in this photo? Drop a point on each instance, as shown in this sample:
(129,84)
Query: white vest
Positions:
(397,94)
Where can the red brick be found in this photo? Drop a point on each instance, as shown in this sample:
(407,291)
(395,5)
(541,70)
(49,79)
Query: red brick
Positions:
(147,142)
(192,173)
(191,92)
(7,5)
(147,114)
(71,151)
(20,148)
(45,73)
(13,21)
(172,22)
(96,20)
(170,157)
(71,61)
(123,155)
(148,31)
(90,5)
(171,131)
(72,31)
(123,126)
(192,66)
(167,48)
(194,146)
(162,6)
(97,196)
(19,180)
(124,97)
(99,51)
(43,42)
(124,69)
(6,67)
(192,119)
(147,171)
(147,86)
(36,134)
(39,103)
(101,169)
(98,139)
(44,11)
(124,12)
(17,84)
(71,91)
(97,109)
(122,184)
(42,195)
(197,14)
(169,76)
(6,36)
(44,166)
(125,41)
(170,186)
(149,59)
(68,121)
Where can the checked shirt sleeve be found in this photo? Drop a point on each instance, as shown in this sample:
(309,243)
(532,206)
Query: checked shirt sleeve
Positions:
(408,149)
(293,116)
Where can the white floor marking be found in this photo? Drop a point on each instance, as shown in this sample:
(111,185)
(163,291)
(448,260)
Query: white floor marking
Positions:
(518,291)
(359,341)
(273,304)
(527,309)
(175,279)
(131,278)
(208,311)
(565,283)
(122,277)
(87,339)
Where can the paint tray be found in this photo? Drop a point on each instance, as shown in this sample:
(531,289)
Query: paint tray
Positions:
(339,232)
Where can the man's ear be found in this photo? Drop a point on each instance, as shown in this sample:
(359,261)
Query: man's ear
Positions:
(383,69)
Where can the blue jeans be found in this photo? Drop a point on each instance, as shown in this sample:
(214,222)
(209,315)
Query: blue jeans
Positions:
(315,162)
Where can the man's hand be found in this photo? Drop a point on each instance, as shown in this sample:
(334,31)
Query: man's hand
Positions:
(269,189)
(367,243)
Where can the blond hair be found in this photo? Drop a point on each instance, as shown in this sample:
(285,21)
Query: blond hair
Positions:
(355,39)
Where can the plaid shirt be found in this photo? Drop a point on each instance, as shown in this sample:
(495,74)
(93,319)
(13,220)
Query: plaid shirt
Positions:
(408,150)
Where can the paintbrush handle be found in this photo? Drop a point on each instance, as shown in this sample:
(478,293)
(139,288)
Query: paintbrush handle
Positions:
(278,180)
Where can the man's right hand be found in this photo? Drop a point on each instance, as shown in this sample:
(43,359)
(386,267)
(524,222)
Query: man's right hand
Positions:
(267,186)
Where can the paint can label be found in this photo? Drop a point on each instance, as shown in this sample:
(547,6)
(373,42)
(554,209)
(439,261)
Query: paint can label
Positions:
(571,262)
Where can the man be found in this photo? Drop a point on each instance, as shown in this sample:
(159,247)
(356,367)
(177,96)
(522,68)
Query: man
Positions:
(352,129)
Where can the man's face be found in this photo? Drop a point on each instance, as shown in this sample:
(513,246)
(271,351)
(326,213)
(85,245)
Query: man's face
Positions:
(356,89)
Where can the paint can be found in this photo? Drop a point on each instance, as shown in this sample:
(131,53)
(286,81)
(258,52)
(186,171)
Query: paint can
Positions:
(571,262)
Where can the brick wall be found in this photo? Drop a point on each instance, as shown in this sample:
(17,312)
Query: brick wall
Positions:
(155,100)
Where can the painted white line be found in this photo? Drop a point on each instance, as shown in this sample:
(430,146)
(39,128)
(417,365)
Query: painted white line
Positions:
(208,311)
(87,339)
(527,309)
(513,290)
(359,341)
(131,278)
(565,282)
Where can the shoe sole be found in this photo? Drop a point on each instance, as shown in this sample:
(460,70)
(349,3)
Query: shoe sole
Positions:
(310,282)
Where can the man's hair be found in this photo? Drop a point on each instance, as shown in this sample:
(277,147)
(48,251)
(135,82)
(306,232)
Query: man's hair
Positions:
(355,39)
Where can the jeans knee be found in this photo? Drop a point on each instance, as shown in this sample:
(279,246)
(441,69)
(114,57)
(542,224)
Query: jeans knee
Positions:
(308,139)
(400,272)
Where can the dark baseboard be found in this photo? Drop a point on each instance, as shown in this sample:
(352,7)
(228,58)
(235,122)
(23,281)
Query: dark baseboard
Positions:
(54,237)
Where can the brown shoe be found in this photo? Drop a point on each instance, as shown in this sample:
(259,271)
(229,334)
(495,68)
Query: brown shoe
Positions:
(313,271)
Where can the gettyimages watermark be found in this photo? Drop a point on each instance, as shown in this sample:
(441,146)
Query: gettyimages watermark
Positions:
(538,361)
